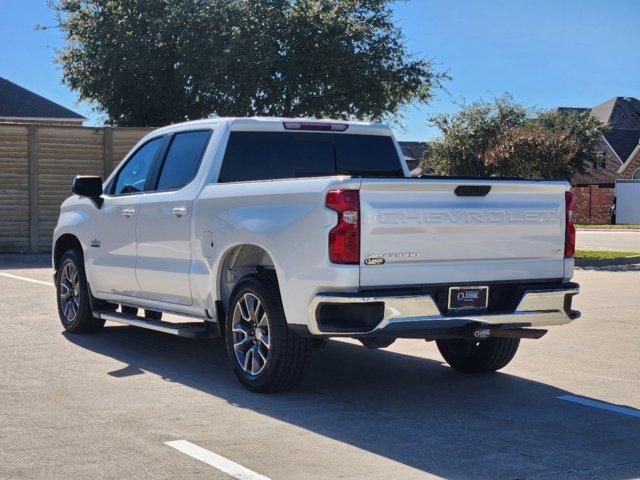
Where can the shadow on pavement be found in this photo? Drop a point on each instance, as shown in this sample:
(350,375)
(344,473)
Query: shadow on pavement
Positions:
(408,409)
(26,260)
(616,267)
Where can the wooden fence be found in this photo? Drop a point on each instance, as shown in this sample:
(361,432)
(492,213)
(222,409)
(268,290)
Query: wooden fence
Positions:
(37,165)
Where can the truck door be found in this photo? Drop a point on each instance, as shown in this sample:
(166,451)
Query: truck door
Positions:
(163,229)
(111,256)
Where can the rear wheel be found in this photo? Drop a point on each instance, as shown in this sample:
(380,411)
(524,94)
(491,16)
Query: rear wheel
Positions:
(265,354)
(73,295)
(478,357)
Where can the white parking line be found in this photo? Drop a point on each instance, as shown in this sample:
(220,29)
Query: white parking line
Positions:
(632,412)
(26,279)
(224,465)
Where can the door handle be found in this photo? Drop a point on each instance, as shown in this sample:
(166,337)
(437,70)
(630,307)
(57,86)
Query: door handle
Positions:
(128,212)
(179,211)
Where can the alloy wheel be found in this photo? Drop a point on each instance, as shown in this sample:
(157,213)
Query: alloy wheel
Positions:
(69,291)
(250,334)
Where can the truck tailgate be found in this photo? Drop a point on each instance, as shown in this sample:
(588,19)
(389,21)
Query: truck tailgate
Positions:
(420,231)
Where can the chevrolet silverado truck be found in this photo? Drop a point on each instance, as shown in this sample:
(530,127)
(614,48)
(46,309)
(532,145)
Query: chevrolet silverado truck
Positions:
(276,234)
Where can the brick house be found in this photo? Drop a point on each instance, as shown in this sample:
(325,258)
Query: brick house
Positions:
(619,158)
(631,167)
(19,105)
(618,147)
(413,153)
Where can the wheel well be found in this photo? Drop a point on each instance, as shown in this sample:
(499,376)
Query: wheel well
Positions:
(64,243)
(239,262)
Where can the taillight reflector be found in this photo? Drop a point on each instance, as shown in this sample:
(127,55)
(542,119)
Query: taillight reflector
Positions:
(570,229)
(344,238)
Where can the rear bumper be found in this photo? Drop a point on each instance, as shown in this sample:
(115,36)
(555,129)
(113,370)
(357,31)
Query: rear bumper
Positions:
(417,315)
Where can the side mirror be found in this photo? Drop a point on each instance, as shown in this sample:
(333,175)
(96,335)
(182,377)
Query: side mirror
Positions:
(90,187)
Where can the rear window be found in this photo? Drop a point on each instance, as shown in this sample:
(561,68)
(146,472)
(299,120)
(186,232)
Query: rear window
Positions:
(273,155)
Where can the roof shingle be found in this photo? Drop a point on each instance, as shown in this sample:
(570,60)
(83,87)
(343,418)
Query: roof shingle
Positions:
(622,114)
(413,152)
(623,141)
(18,102)
(619,112)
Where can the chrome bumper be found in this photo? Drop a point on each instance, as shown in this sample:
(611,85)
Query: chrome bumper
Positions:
(419,313)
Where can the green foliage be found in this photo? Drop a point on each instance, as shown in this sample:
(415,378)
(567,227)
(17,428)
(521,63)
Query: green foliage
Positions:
(585,129)
(604,254)
(597,226)
(532,151)
(507,139)
(468,134)
(152,62)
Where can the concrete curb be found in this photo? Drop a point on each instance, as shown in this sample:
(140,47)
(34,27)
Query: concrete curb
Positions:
(606,263)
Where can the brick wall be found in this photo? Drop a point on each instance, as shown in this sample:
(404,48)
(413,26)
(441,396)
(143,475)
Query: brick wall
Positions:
(605,172)
(593,204)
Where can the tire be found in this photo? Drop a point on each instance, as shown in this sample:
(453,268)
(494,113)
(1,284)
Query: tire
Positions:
(478,357)
(73,295)
(255,313)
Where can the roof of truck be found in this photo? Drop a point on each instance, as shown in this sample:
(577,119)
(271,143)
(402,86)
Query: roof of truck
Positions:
(278,124)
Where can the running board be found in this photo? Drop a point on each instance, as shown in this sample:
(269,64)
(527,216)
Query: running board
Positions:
(189,330)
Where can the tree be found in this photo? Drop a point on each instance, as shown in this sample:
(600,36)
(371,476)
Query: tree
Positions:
(505,138)
(532,151)
(152,62)
(467,134)
(582,127)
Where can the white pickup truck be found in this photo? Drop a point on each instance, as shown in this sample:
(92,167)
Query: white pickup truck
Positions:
(278,233)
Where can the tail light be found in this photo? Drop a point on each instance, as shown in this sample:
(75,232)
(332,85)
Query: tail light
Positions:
(344,238)
(570,229)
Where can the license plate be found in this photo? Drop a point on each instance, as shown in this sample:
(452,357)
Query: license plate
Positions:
(467,298)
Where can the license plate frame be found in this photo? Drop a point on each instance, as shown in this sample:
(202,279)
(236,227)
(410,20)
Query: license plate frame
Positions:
(468,297)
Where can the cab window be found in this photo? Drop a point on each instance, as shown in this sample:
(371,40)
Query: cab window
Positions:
(274,155)
(183,159)
(133,176)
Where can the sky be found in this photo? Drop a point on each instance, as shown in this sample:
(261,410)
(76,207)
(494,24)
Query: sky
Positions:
(546,53)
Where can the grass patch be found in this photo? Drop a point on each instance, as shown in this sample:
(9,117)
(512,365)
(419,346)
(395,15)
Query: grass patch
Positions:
(603,254)
(607,227)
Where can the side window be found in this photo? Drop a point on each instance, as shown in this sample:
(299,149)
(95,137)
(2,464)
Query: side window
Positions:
(600,161)
(133,176)
(183,159)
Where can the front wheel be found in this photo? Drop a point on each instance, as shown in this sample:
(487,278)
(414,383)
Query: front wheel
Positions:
(265,354)
(74,304)
(478,357)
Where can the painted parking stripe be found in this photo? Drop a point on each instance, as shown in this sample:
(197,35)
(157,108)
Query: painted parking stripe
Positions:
(26,279)
(217,461)
(632,412)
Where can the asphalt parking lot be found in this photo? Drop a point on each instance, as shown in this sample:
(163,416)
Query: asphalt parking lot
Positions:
(105,405)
